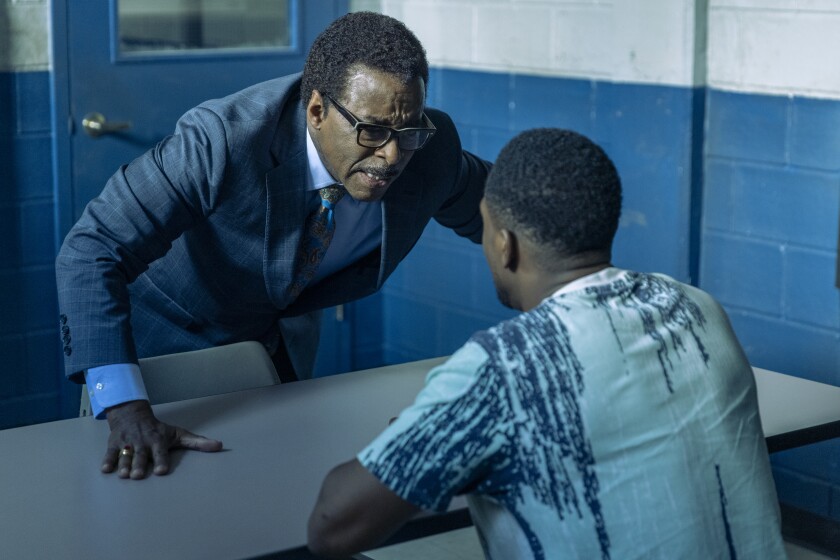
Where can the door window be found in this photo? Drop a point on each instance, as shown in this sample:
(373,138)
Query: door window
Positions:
(151,27)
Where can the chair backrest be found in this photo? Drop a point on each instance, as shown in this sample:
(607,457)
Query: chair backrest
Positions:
(212,371)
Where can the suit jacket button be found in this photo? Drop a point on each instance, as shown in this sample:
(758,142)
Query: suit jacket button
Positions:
(67,350)
(63,318)
(65,330)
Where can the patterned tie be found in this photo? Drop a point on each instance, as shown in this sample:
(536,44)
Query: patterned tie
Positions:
(320,226)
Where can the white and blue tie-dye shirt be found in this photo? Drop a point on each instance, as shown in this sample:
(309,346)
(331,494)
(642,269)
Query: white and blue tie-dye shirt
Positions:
(617,419)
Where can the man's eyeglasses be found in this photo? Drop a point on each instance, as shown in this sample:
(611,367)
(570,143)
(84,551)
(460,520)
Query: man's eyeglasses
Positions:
(372,135)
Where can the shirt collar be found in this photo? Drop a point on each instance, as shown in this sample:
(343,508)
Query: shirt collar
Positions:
(609,274)
(318,176)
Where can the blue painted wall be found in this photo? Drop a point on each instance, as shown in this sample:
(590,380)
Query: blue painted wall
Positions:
(443,291)
(772,193)
(29,390)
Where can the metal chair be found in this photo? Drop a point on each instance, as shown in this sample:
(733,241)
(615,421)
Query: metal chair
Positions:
(211,371)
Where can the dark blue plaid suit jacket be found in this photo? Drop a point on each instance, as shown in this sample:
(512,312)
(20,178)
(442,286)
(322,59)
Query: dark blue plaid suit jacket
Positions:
(192,245)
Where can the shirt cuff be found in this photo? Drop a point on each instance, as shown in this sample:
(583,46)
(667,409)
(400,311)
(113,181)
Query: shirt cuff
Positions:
(114,384)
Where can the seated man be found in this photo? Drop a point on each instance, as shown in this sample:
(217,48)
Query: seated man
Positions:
(615,418)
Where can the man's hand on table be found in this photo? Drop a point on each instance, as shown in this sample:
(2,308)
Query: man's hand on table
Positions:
(134,427)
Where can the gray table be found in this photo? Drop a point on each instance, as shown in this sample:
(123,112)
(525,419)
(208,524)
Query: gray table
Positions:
(254,498)
(795,411)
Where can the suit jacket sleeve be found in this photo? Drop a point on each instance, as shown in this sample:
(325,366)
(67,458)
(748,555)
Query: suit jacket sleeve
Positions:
(460,210)
(142,209)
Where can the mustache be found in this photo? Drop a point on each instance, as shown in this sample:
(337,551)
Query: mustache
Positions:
(381,172)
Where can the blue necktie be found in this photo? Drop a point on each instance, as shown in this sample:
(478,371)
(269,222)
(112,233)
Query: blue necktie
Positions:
(319,229)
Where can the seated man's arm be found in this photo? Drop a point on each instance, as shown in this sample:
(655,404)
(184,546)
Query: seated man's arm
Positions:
(451,428)
(354,512)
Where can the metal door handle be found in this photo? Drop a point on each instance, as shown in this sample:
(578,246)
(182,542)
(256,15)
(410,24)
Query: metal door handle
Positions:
(95,125)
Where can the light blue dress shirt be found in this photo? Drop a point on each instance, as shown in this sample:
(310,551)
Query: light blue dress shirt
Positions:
(358,231)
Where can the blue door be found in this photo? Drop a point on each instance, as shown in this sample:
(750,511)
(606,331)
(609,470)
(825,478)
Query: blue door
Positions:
(134,66)
(126,70)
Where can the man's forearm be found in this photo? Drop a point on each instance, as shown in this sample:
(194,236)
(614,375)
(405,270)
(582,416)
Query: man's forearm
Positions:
(354,512)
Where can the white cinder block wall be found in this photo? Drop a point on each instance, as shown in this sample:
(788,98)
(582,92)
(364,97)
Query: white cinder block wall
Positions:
(24,35)
(651,41)
(781,47)
(787,47)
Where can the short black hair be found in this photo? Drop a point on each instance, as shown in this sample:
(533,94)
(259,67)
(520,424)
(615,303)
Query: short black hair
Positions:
(559,189)
(362,38)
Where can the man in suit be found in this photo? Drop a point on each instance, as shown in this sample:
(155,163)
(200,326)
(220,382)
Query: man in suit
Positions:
(198,242)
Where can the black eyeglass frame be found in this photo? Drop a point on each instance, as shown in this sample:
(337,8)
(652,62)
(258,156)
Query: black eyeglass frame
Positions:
(359,127)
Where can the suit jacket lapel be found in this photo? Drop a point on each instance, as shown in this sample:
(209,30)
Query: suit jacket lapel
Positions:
(287,209)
